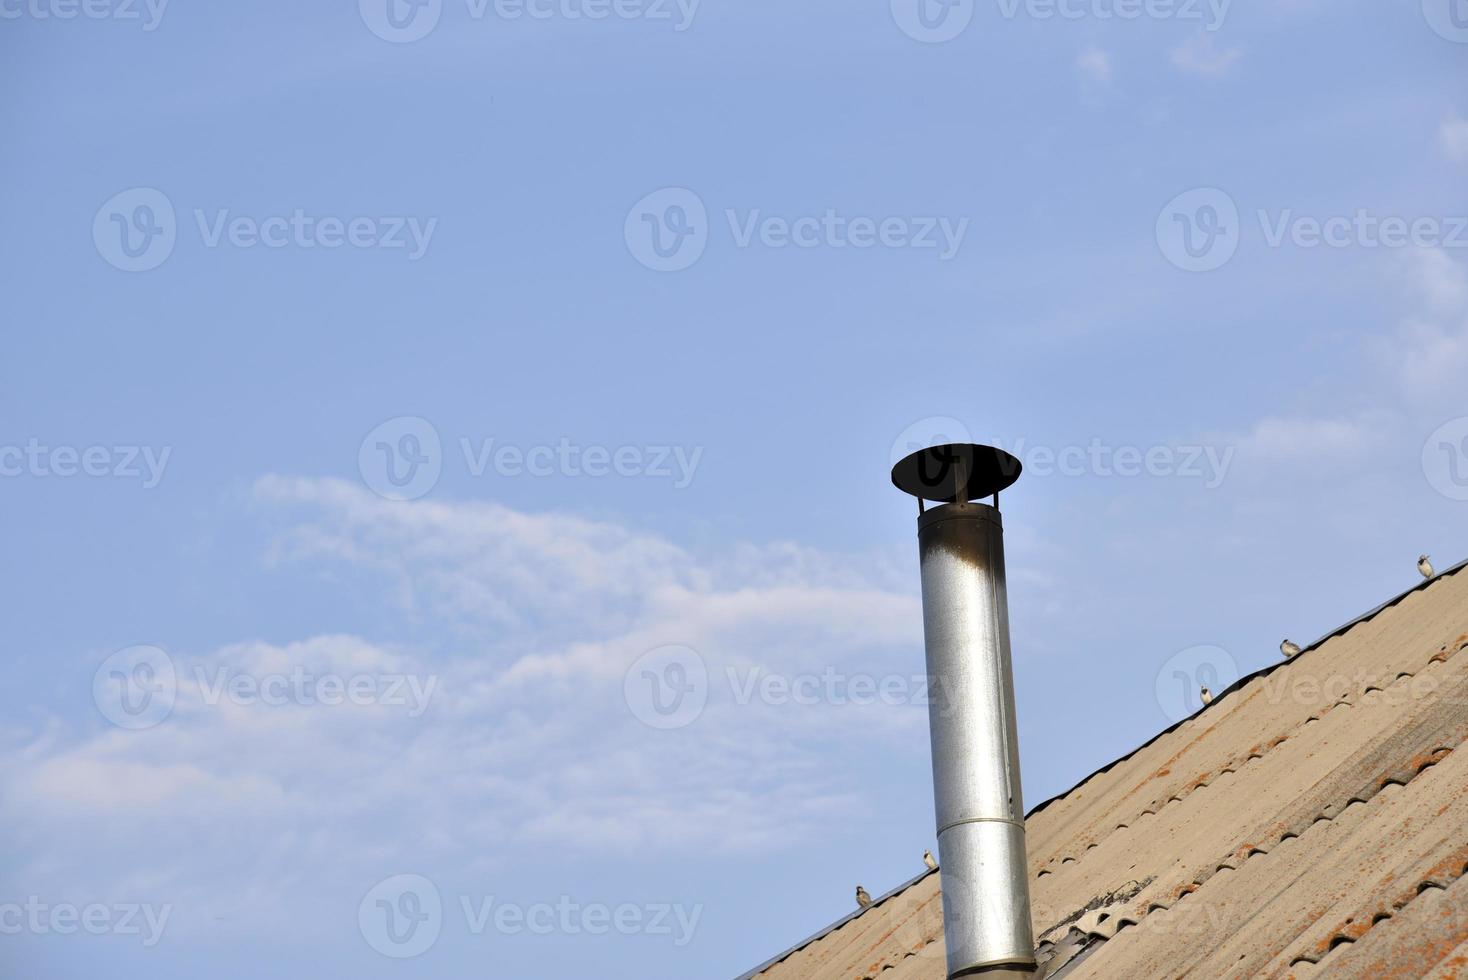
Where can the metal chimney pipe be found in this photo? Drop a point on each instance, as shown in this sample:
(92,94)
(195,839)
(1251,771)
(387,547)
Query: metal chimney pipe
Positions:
(971,714)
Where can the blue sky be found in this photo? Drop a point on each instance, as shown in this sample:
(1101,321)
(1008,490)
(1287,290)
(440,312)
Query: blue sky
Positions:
(380,415)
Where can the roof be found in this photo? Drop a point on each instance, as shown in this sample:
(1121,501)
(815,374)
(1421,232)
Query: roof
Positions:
(1310,822)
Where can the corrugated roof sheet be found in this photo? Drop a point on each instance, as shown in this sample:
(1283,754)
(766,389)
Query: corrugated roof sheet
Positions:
(1311,822)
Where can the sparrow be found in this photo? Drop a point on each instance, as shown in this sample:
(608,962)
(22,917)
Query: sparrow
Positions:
(862,898)
(1289,648)
(1206,695)
(928,860)
(1424,565)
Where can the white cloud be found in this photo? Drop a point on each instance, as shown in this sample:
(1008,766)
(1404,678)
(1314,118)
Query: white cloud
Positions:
(528,740)
(480,562)
(1095,65)
(1430,348)
(1200,55)
(1325,441)
(1292,439)
(1453,135)
(1439,282)
(1415,374)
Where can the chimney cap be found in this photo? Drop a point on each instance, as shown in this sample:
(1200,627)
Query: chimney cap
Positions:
(956,473)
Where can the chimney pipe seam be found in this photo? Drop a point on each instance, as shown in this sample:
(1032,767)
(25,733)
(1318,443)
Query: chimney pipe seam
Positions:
(959,823)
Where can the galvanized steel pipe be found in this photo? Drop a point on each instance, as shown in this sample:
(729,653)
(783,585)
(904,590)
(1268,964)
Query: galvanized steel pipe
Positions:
(971,716)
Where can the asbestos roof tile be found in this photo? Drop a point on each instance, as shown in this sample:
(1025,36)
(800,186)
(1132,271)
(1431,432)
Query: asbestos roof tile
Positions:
(1310,822)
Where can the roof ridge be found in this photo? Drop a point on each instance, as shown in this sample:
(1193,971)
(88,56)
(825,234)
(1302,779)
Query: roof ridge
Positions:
(1261,672)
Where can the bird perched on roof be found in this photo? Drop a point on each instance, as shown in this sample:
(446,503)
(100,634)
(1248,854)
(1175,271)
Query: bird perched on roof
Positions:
(928,860)
(1289,648)
(1424,565)
(862,898)
(1206,695)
